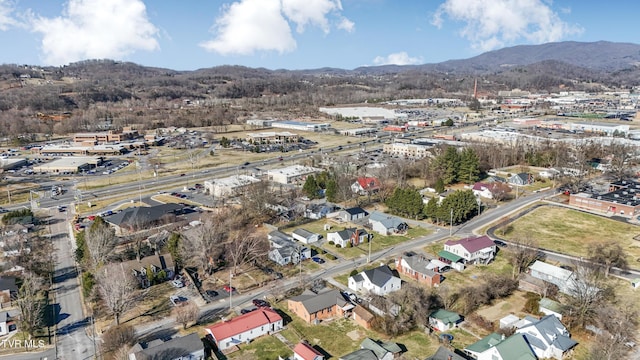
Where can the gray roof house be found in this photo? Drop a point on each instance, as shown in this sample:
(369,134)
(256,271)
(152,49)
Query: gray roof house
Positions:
(374,350)
(181,348)
(562,278)
(548,337)
(445,354)
(306,236)
(385,224)
(285,251)
(352,214)
(380,281)
(314,307)
(521,179)
(351,236)
(135,218)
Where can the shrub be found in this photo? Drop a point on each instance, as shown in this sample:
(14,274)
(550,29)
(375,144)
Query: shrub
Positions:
(338,245)
(331,242)
(353,272)
(115,337)
(330,257)
(349,245)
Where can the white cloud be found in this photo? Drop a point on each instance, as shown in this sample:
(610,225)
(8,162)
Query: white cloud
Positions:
(347,25)
(498,23)
(399,58)
(6,19)
(96,29)
(251,25)
(247,26)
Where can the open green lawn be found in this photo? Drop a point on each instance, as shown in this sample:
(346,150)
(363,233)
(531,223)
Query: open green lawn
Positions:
(573,232)
(264,348)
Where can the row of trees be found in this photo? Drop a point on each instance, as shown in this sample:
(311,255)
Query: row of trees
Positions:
(457,207)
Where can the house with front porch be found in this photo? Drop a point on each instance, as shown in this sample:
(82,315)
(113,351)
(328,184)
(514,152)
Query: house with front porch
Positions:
(244,328)
(353,236)
(473,250)
(379,281)
(418,268)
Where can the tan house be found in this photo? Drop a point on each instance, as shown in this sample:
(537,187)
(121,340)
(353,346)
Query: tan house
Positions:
(363,317)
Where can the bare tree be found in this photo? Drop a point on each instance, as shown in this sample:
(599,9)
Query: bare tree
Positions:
(618,325)
(186,314)
(499,191)
(118,290)
(245,247)
(521,254)
(608,255)
(202,246)
(588,290)
(621,156)
(31,303)
(101,240)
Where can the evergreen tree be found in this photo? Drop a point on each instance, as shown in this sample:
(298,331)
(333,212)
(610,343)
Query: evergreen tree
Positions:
(310,187)
(431,209)
(332,190)
(469,168)
(173,245)
(439,186)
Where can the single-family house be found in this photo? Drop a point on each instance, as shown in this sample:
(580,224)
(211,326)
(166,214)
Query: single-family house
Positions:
(380,281)
(352,214)
(374,350)
(494,179)
(562,278)
(521,179)
(484,190)
(363,317)
(513,347)
(319,211)
(443,320)
(159,265)
(365,185)
(244,328)
(313,307)
(551,307)
(548,337)
(305,236)
(351,236)
(418,268)
(450,260)
(180,348)
(473,250)
(284,250)
(385,224)
(6,324)
(304,351)
(482,345)
(445,354)
(8,288)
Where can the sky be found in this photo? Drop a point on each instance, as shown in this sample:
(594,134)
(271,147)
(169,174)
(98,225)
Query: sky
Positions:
(296,34)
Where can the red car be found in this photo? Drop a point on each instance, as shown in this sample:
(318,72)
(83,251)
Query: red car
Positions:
(229,289)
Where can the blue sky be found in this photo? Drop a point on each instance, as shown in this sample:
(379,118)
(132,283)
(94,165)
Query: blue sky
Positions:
(296,34)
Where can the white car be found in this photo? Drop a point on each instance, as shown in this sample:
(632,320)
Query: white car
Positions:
(177,283)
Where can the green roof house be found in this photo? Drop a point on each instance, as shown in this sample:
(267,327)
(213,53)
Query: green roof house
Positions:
(443,320)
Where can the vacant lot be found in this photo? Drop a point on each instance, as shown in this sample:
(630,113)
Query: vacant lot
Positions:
(573,232)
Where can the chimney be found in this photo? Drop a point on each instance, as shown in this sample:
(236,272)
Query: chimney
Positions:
(449,357)
(502,337)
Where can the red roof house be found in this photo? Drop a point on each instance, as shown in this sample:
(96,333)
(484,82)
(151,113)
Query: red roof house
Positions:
(474,250)
(244,328)
(304,351)
(365,185)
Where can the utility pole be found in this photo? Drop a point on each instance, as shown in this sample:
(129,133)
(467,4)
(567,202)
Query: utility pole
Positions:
(451,224)
(230,289)
(369,255)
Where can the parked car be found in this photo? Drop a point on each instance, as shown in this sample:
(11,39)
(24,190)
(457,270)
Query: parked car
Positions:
(261,303)
(177,283)
(211,293)
(317,260)
(178,300)
(247,310)
(229,289)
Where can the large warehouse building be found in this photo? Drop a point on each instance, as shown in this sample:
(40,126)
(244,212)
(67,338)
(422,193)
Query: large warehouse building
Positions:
(69,165)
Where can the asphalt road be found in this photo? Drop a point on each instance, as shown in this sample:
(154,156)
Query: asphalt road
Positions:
(71,336)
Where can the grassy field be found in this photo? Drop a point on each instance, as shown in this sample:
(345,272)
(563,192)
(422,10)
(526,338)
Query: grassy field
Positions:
(266,347)
(574,232)
(340,337)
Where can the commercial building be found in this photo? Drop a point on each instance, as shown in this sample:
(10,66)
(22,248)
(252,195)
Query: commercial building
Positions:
(271,137)
(301,125)
(358,131)
(71,150)
(7,163)
(229,186)
(294,174)
(600,128)
(364,113)
(414,151)
(259,122)
(105,137)
(68,165)
(623,199)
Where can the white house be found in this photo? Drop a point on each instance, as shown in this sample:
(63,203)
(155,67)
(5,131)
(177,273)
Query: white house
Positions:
(379,281)
(285,251)
(474,250)
(513,347)
(483,190)
(562,278)
(244,328)
(548,338)
(351,236)
(4,323)
(385,224)
(305,236)
(443,320)
(304,351)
